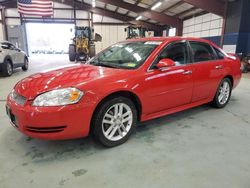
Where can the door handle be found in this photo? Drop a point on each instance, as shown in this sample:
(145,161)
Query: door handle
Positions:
(187,72)
(219,66)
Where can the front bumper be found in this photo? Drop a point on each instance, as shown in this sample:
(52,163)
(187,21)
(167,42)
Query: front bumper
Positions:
(51,123)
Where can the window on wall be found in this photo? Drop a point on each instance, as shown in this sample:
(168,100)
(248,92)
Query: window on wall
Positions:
(172,32)
(207,25)
(202,52)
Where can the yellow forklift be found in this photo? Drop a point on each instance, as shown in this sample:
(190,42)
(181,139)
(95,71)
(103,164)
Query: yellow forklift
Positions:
(83,46)
(135,32)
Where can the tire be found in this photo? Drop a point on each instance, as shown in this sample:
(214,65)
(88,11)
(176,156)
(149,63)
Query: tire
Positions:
(72,52)
(26,65)
(92,52)
(244,67)
(223,94)
(114,131)
(7,68)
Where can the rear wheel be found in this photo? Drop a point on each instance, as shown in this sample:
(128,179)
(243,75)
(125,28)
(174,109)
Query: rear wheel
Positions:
(244,67)
(114,121)
(7,68)
(223,93)
(92,51)
(72,52)
(25,67)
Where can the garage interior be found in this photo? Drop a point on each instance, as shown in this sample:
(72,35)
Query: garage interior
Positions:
(200,147)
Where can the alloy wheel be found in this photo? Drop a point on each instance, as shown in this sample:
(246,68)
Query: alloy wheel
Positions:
(9,68)
(224,93)
(117,122)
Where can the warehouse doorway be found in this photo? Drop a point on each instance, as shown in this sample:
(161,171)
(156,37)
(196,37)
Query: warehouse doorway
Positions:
(49,38)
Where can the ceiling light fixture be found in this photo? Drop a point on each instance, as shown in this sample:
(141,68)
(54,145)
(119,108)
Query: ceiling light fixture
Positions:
(156,5)
(139,17)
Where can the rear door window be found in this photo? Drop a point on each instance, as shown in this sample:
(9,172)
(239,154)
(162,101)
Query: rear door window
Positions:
(219,53)
(202,52)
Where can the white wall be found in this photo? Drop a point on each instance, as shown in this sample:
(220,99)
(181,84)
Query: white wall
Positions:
(1,27)
(1,31)
(110,34)
(207,25)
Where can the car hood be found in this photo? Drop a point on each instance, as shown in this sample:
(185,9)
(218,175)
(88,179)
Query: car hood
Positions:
(67,76)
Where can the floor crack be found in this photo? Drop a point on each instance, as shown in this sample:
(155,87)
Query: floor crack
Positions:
(235,115)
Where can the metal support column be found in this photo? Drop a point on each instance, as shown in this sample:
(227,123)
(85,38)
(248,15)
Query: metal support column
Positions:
(74,10)
(5,30)
(223,31)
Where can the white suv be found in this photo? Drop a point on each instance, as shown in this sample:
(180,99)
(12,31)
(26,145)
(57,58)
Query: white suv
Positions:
(11,57)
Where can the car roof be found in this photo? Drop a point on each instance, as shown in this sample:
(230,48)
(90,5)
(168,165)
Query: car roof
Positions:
(164,39)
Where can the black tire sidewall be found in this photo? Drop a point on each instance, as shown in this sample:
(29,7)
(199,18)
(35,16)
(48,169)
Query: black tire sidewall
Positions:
(98,117)
(72,52)
(216,102)
(4,68)
(26,62)
(244,68)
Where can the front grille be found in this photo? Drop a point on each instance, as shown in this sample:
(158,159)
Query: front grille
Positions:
(19,99)
(46,129)
(12,117)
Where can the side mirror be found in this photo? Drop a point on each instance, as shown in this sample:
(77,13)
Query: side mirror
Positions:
(165,63)
(98,38)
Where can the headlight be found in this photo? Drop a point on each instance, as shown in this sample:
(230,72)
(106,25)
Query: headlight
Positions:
(19,99)
(12,94)
(59,97)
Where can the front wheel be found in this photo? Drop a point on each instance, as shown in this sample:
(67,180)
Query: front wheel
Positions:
(7,68)
(25,67)
(72,52)
(223,93)
(114,121)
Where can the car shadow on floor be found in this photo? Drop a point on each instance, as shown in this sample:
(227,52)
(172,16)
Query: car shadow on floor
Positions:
(16,72)
(42,151)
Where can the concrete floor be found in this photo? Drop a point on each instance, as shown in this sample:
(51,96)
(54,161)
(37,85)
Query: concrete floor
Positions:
(202,147)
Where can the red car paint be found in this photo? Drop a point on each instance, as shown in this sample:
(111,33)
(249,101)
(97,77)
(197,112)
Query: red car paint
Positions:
(159,92)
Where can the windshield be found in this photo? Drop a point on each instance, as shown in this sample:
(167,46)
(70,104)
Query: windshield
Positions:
(127,55)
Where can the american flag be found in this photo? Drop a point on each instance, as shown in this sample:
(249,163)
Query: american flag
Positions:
(35,7)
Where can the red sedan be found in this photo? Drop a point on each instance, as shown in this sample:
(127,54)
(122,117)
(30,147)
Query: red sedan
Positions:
(131,81)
